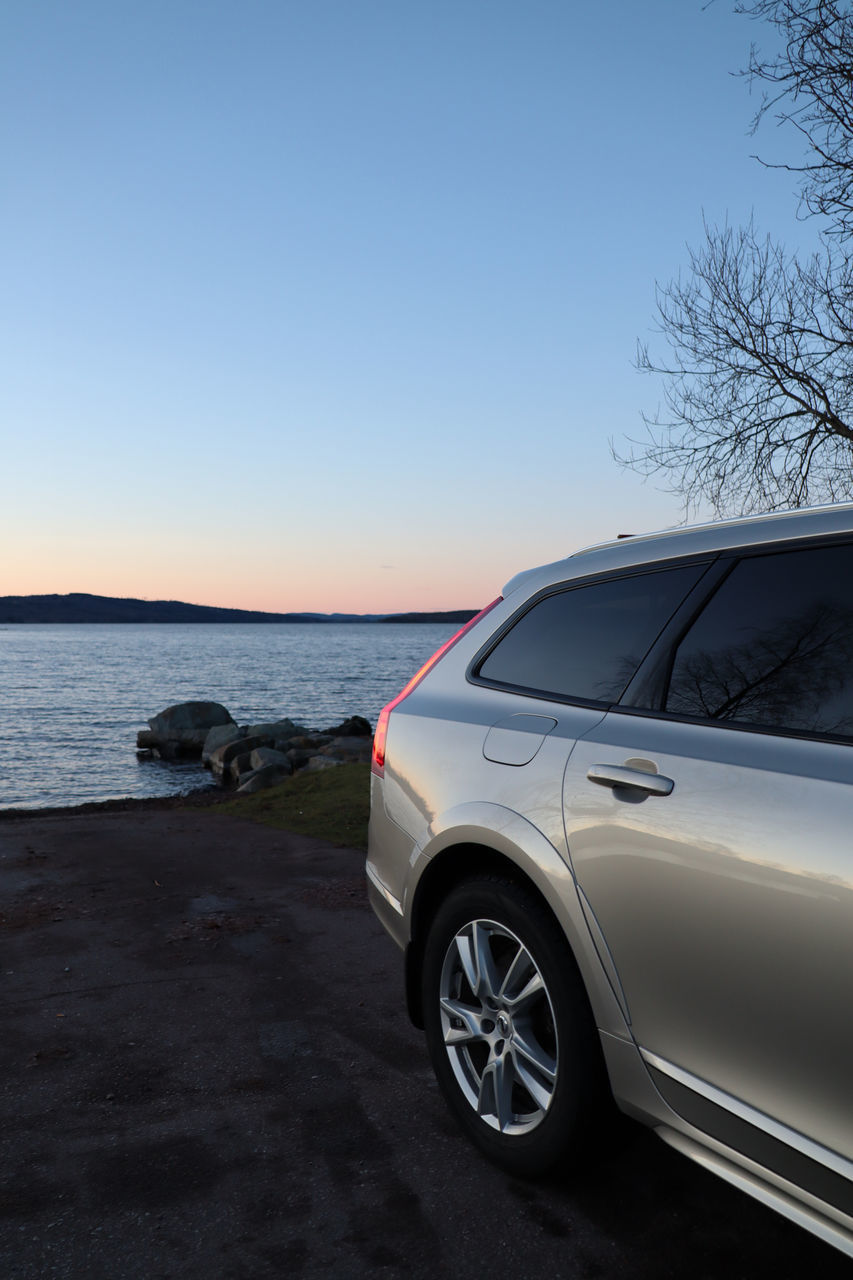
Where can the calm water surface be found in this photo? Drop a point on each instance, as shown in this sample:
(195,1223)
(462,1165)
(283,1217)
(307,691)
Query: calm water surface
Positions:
(72,698)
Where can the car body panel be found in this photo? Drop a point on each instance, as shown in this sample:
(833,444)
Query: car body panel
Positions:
(729,920)
(700,871)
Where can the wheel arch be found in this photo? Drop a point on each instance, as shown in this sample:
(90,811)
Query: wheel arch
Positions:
(511,847)
(451,867)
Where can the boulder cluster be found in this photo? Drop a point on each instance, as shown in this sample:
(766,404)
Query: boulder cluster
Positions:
(251,757)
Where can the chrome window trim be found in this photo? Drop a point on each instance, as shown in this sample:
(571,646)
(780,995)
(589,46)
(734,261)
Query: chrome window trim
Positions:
(732,726)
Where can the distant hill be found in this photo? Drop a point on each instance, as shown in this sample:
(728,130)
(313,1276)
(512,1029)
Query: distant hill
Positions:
(80,607)
(450,615)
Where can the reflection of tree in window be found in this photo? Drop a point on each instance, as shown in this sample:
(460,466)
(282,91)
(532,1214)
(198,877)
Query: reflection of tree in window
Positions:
(624,670)
(792,674)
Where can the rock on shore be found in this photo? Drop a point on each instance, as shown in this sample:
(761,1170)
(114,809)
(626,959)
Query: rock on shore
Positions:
(182,730)
(251,757)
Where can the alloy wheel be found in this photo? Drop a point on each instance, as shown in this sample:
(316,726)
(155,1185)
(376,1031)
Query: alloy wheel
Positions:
(498,1027)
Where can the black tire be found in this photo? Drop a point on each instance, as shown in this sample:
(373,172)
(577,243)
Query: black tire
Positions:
(524,1078)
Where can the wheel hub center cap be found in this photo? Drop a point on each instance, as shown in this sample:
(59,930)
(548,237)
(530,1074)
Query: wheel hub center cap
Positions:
(504,1024)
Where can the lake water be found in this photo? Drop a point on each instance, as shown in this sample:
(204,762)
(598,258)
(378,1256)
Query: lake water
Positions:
(72,698)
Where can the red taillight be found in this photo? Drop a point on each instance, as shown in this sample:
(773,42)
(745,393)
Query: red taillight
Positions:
(377,764)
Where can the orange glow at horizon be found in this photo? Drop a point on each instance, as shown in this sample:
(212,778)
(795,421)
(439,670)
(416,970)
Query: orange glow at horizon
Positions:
(269,583)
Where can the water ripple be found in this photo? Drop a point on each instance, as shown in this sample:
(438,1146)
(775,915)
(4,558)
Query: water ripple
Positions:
(73,697)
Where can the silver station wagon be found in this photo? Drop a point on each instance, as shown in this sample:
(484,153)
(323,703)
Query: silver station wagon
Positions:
(612,829)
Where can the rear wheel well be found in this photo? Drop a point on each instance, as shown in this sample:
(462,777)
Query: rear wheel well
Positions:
(452,866)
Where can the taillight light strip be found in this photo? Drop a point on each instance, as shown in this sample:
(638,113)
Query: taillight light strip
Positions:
(377,763)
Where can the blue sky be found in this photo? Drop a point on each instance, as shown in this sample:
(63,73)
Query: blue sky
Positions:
(333,304)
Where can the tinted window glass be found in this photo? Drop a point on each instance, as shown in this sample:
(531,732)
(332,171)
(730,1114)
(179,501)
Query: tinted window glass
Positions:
(587,642)
(774,645)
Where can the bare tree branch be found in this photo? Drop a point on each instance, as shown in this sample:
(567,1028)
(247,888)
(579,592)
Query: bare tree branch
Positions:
(757,366)
(810,87)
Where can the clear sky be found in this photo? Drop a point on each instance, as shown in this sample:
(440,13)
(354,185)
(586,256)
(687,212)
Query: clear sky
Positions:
(332,304)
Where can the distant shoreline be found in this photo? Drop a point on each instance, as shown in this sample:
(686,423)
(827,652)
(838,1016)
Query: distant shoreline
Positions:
(79,607)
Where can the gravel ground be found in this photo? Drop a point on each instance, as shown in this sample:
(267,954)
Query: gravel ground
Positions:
(207,1071)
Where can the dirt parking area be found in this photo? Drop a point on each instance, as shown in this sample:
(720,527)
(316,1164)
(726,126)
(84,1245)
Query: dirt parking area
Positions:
(206,1070)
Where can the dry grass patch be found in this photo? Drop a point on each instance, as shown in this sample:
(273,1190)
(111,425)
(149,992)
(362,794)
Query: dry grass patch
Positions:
(332,804)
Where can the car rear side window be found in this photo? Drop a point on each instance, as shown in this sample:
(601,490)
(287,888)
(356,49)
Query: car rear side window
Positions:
(585,643)
(774,646)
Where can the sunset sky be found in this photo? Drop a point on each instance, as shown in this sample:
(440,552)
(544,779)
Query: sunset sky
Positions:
(333,304)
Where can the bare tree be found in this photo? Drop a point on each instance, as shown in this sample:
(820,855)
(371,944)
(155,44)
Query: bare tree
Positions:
(809,86)
(758,382)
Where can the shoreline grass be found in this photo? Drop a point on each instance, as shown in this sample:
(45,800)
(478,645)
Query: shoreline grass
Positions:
(331,804)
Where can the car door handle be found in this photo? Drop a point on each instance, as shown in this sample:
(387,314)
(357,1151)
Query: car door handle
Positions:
(617,775)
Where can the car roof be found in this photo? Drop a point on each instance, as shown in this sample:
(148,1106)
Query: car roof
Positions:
(699,539)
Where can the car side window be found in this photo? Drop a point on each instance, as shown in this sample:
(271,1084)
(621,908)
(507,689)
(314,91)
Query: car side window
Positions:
(774,646)
(585,643)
